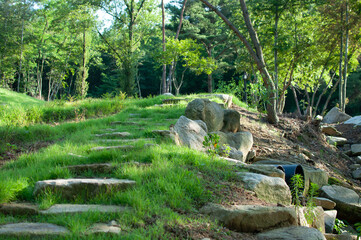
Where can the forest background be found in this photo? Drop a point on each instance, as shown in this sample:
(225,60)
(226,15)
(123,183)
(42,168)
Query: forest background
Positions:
(309,50)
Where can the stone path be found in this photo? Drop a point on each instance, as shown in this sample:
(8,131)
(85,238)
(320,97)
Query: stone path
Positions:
(81,208)
(122,147)
(31,229)
(95,167)
(113,134)
(125,140)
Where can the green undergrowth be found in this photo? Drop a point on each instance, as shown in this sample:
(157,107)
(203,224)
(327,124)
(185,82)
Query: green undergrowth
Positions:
(172,182)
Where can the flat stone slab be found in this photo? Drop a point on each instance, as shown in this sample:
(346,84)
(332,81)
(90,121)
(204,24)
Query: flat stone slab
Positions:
(295,233)
(268,170)
(87,187)
(356,149)
(19,209)
(125,140)
(251,218)
(325,203)
(336,141)
(32,229)
(330,218)
(111,227)
(354,120)
(76,155)
(96,167)
(233,161)
(331,131)
(81,208)
(122,147)
(125,123)
(113,134)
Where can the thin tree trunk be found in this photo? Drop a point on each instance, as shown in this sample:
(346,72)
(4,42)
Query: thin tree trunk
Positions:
(276,56)
(343,107)
(329,97)
(340,66)
(296,101)
(321,95)
(164,75)
(21,54)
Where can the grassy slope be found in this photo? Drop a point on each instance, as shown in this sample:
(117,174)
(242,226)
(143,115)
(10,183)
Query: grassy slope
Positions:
(170,186)
(11,98)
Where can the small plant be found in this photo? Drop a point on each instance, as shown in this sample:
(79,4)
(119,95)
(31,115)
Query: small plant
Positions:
(297,186)
(211,143)
(358,230)
(311,205)
(339,226)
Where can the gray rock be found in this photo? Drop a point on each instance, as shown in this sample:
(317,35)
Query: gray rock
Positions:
(231,121)
(32,229)
(269,189)
(227,99)
(311,217)
(96,168)
(251,218)
(336,141)
(80,208)
(314,175)
(19,209)
(358,160)
(262,160)
(233,161)
(354,166)
(70,188)
(251,155)
(356,149)
(324,203)
(343,236)
(167,135)
(104,228)
(125,140)
(354,120)
(330,218)
(294,233)
(209,112)
(335,116)
(241,141)
(331,131)
(122,147)
(168,94)
(348,202)
(126,123)
(356,174)
(113,134)
(235,154)
(76,155)
(268,170)
(190,133)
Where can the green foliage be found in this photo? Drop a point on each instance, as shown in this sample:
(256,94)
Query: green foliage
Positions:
(297,186)
(358,230)
(211,143)
(311,205)
(339,226)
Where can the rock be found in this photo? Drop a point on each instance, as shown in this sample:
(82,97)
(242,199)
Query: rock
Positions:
(70,188)
(32,229)
(348,202)
(233,161)
(356,149)
(269,161)
(331,131)
(227,99)
(336,141)
(235,154)
(358,160)
(268,170)
(19,209)
(122,147)
(125,140)
(113,134)
(295,233)
(335,116)
(167,135)
(251,155)
(191,133)
(134,115)
(126,123)
(241,141)
(81,208)
(343,236)
(354,120)
(96,168)
(269,189)
(104,228)
(231,121)
(209,112)
(311,217)
(330,218)
(324,203)
(251,218)
(76,155)
(356,174)
(354,166)
(314,175)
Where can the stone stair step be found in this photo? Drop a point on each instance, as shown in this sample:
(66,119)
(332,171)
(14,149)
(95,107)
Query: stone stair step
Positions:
(113,134)
(19,209)
(125,123)
(125,140)
(88,187)
(31,229)
(95,167)
(122,147)
(81,208)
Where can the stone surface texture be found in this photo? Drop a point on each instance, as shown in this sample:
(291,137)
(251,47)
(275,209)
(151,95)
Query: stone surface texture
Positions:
(294,233)
(113,134)
(251,218)
(268,170)
(356,149)
(96,167)
(122,147)
(336,141)
(80,208)
(240,141)
(19,209)
(314,218)
(356,174)
(331,131)
(231,121)
(354,120)
(269,189)
(335,116)
(209,112)
(325,203)
(31,229)
(330,218)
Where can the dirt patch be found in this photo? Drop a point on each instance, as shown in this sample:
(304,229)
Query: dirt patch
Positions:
(351,132)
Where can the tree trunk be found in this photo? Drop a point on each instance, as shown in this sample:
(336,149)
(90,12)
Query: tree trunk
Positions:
(329,97)
(321,95)
(340,66)
(21,54)
(343,107)
(276,56)
(164,75)
(296,101)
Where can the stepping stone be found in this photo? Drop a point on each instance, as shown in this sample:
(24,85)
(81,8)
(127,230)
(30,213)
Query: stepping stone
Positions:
(330,218)
(336,141)
(122,147)
(134,114)
(89,187)
(109,130)
(233,161)
(76,155)
(113,134)
(251,218)
(81,208)
(125,123)
(112,227)
(19,209)
(356,149)
(32,229)
(125,140)
(96,167)
(293,232)
(335,116)
(324,202)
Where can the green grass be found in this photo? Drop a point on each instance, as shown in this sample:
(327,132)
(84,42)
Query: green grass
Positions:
(14,99)
(169,187)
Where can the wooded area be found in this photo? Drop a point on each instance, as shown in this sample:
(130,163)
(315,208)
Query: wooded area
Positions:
(299,56)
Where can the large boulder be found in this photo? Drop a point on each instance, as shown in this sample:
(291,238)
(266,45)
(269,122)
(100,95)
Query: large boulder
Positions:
(209,112)
(269,189)
(295,233)
(348,202)
(241,141)
(355,120)
(191,133)
(314,175)
(251,218)
(231,121)
(335,116)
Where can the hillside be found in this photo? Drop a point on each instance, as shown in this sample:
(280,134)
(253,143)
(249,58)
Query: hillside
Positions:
(12,98)
(163,189)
